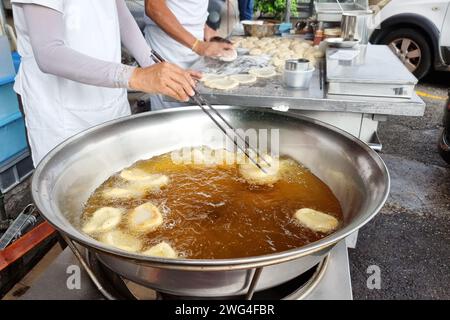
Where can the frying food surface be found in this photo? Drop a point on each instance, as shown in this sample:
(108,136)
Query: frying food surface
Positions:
(214,208)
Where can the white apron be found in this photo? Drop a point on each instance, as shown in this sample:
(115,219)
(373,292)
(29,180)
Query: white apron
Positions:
(56,108)
(192,14)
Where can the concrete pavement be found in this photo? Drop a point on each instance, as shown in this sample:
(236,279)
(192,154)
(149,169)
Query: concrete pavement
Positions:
(410,239)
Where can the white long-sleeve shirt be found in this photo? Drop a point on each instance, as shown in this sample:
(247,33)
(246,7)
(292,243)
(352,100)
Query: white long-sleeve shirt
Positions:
(46,26)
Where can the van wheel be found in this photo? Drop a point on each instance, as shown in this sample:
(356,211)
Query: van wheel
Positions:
(412,48)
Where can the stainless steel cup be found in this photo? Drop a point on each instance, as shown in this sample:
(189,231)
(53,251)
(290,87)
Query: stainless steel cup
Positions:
(297,65)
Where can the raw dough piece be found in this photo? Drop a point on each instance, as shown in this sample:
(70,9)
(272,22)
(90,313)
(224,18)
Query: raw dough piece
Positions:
(145,218)
(222,84)
(316,220)
(297,55)
(299,49)
(277,62)
(268,48)
(305,45)
(273,51)
(255,52)
(280,69)
(285,54)
(318,54)
(247,44)
(266,72)
(230,56)
(236,41)
(162,250)
(103,220)
(265,40)
(122,240)
(243,78)
(211,76)
(310,51)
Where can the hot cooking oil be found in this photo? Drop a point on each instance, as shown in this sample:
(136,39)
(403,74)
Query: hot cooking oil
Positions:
(211,212)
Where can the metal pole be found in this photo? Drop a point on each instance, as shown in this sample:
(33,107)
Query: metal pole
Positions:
(2,19)
(253,284)
(287,18)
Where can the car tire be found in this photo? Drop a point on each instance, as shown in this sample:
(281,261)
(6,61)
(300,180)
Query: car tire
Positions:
(404,43)
(444,146)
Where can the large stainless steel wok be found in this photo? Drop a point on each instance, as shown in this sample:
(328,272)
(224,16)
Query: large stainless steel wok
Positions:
(64,180)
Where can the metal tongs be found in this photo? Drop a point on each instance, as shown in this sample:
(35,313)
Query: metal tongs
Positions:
(202,102)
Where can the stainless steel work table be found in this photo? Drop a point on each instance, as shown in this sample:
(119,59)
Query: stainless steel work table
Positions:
(358,115)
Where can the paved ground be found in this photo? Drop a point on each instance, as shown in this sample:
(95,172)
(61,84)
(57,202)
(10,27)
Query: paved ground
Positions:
(410,239)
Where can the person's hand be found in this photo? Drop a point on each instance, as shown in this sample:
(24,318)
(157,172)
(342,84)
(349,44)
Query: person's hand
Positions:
(165,78)
(213,49)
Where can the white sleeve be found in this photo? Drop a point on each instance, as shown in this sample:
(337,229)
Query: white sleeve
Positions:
(57,5)
(46,31)
(132,37)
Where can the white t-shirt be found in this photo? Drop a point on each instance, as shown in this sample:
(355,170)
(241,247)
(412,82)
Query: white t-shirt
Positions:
(188,12)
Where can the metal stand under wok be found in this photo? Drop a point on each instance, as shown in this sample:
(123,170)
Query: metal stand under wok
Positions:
(92,264)
(330,279)
(114,287)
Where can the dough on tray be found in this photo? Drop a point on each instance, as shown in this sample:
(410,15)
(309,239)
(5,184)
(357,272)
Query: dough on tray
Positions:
(162,250)
(103,220)
(266,72)
(145,218)
(243,78)
(231,55)
(222,84)
(277,62)
(211,76)
(316,220)
(255,52)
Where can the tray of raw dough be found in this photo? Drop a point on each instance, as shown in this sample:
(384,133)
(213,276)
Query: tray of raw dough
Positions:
(256,72)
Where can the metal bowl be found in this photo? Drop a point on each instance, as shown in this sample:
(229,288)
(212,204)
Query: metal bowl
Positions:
(68,175)
(260,30)
(341,43)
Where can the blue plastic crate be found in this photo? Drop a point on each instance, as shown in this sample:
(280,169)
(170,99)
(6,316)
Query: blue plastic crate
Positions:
(12,127)
(16,60)
(14,170)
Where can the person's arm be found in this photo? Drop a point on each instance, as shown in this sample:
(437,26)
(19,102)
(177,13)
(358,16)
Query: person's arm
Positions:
(53,56)
(131,36)
(209,32)
(158,11)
